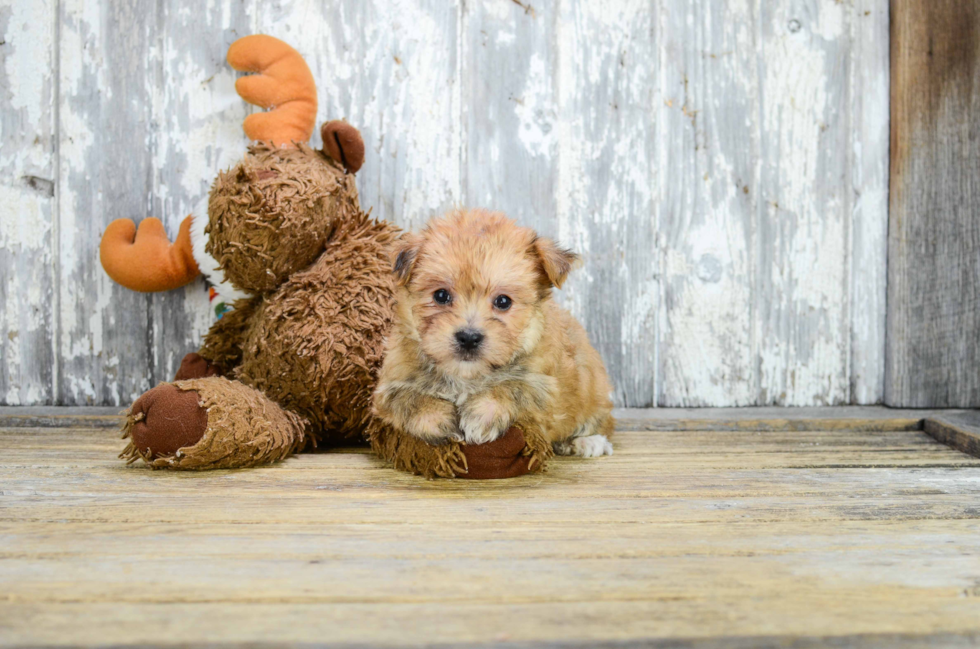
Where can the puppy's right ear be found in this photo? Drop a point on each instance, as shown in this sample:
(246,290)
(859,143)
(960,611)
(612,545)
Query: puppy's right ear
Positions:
(556,262)
(405,252)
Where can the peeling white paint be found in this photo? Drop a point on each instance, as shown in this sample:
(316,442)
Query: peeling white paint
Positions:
(870,134)
(695,153)
(807,313)
(29,68)
(24,226)
(605,184)
(27,204)
(533,109)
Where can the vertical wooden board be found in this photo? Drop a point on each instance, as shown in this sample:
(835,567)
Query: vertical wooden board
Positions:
(196,118)
(607,82)
(709,166)
(868,149)
(509,110)
(105,172)
(27,201)
(802,320)
(933,345)
(390,68)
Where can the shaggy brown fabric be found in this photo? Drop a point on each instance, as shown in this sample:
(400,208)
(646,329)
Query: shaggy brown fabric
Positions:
(316,344)
(408,453)
(537,447)
(222,345)
(244,428)
(195,366)
(265,227)
(343,143)
(165,419)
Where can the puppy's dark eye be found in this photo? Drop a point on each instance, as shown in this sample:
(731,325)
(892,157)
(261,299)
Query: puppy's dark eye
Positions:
(502,302)
(442,296)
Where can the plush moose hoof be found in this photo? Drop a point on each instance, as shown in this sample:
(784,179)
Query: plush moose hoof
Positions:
(166,419)
(195,366)
(501,458)
(210,423)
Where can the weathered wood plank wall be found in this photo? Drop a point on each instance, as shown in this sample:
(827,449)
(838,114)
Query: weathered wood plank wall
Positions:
(933,357)
(722,165)
(28,204)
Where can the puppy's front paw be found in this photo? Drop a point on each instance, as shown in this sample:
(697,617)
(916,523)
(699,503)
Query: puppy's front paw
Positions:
(591,446)
(435,423)
(482,420)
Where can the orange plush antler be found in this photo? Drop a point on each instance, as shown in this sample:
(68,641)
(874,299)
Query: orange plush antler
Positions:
(283,84)
(145,260)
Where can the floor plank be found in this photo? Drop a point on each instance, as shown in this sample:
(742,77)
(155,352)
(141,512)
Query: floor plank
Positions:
(686,538)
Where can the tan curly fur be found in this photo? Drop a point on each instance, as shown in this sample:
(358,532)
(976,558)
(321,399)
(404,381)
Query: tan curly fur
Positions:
(531,363)
(408,453)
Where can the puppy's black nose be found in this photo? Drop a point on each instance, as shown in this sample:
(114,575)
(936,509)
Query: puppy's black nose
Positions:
(469,339)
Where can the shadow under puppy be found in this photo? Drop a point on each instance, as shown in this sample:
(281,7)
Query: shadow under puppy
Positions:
(477,344)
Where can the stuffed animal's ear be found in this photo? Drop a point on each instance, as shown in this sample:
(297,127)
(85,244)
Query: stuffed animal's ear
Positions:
(403,257)
(556,261)
(343,143)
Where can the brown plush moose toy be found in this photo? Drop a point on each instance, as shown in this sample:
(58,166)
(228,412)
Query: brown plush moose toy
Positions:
(295,361)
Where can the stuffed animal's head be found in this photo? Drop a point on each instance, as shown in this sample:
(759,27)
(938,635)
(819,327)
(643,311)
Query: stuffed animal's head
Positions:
(272,213)
(269,215)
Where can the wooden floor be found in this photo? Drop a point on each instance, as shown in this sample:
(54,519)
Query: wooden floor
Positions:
(715,539)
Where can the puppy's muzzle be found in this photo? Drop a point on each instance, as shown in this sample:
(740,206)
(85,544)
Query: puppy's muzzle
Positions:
(468,341)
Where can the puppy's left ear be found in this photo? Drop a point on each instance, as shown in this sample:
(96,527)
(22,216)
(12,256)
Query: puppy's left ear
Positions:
(404,255)
(556,261)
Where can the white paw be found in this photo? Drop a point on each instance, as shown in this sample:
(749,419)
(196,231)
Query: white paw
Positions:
(480,432)
(483,423)
(434,427)
(591,446)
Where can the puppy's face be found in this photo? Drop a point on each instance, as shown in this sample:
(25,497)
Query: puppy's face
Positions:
(472,287)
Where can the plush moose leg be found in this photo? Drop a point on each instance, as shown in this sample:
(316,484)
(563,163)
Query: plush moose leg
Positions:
(522,449)
(210,423)
(408,453)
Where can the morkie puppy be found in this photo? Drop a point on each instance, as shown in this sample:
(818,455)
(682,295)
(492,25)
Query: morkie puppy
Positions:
(478,345)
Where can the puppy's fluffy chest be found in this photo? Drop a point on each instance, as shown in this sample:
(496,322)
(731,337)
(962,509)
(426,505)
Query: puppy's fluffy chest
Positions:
(537,387)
